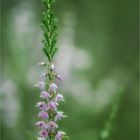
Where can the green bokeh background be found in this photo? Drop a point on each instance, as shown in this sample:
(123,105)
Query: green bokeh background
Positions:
(98,59)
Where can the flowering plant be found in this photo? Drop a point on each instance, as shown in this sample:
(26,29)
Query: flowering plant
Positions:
(49,95)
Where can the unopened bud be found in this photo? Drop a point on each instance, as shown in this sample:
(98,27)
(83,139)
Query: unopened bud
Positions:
(59,77)
(52,66)
(41,64)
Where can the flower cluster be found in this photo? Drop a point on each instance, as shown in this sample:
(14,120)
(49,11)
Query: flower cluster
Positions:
(48,107)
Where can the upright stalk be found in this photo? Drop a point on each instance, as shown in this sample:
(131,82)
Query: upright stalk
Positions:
(50,98)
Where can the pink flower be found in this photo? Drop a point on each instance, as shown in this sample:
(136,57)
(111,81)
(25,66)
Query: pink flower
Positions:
(43,133)
(53,87)
(52,105)
(59,98)
(59,116)
(40,85)
(44,95)
(59,135)
(51,125)
(41,105)
(43,115)
(41,124)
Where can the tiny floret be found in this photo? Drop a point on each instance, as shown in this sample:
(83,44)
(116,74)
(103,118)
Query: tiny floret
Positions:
(59,135)
(44,95)
(43,133)
(51,125)
(43,115)
(59,77)
(40,85)
(59,116)
(53,87)
(59,98)
(41,105)
(52,105)
(41,124)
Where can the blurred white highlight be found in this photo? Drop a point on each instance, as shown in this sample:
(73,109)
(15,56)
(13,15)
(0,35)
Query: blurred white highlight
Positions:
(10,103)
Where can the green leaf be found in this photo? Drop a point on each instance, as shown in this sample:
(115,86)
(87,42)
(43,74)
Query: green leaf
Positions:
(48,55)
(54,51)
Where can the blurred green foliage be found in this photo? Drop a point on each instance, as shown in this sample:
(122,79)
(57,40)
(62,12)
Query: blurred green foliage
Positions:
(108,32)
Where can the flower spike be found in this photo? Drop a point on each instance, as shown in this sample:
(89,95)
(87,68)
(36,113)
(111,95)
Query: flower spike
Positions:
(49,97)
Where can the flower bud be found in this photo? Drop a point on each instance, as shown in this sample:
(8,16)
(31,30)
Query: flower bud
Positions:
(41,64)
(59,77)
(52,67)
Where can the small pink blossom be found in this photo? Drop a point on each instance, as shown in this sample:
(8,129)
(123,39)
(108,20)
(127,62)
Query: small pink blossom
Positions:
(43,133)
(59,116)
(41,124)
(59,135)
(40,85)
(43,115)
(53,87)
(52,105)
(51,125)
(59,98)
(44,95)
(41,105)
